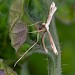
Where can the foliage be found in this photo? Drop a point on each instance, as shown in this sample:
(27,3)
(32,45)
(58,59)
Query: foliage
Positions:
(65,18)
(5,70)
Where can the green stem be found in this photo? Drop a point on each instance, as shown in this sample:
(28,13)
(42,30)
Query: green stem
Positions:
(54,61)
(54,66)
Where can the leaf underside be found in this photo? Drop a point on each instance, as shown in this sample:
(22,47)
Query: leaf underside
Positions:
(18,29)
(18,34)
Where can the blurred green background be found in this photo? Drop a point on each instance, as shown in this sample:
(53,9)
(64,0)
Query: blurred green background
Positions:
(36,65)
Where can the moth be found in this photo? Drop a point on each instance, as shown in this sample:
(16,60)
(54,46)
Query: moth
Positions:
(45,30)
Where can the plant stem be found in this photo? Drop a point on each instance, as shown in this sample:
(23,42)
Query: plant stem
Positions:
(54,63)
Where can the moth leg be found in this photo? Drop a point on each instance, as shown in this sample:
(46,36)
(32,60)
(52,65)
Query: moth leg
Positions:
(27,50)
(34,23)
(52,43)
(43,43)
(37,31)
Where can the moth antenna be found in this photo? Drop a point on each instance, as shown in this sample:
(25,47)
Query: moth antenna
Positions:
(27,50)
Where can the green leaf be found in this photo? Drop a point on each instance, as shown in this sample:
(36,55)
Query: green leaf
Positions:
(18,29)
(18,34)
(5,70)
(16,11)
